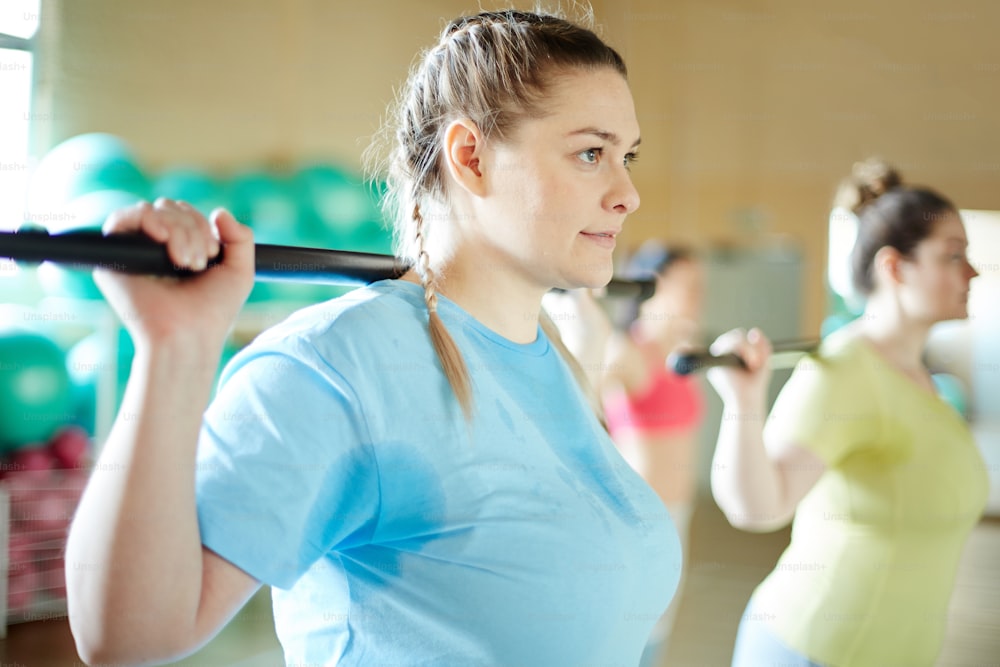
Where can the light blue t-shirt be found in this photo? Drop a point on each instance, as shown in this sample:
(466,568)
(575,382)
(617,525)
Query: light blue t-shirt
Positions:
(336,466)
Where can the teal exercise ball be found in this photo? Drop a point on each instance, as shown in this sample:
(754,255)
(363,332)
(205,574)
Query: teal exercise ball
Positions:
(74,187)
(87,362)
(336,204)
(82,164)
(87,212)
(19,283)
(375,234)
(194,186)
(266,202)
(372,236)
(35,396)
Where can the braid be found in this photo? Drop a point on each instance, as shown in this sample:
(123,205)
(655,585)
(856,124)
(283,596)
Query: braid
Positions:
(444,345)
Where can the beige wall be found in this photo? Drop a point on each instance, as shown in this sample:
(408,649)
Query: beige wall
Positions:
(751,110)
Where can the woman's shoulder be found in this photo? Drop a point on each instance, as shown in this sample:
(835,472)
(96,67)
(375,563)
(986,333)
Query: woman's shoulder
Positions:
(840,360)
(379,308)
(356,330)
(842,348)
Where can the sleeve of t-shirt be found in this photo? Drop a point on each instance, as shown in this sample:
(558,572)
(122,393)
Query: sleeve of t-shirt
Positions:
(825,407)
(285,471)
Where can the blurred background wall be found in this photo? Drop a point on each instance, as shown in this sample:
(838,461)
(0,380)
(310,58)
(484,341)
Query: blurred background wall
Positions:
(751,111)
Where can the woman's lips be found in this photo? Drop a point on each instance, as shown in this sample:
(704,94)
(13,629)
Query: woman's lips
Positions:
(603,239)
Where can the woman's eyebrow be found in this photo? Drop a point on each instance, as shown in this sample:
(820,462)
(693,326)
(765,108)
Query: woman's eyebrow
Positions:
(606,135)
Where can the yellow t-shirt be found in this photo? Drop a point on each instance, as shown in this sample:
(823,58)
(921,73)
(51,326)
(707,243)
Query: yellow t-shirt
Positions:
(868,575)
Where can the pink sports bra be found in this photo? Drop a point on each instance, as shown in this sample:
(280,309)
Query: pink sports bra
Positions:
(669,404)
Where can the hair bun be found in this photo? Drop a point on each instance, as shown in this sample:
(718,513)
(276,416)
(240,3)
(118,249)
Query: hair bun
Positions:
(868,180)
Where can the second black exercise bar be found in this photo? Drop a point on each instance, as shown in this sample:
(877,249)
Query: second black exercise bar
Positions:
(784,354)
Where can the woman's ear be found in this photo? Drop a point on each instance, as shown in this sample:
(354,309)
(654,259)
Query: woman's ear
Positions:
(463,148)
(888,266)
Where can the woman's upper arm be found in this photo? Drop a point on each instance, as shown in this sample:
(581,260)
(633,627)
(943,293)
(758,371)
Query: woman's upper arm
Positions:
(798,471)
(824,412)
(625,365)
(225,588)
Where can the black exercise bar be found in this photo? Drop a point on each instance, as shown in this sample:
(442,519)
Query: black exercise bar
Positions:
(139,254)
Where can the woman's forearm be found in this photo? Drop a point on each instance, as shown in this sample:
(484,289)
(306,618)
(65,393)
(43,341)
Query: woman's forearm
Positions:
(746,482)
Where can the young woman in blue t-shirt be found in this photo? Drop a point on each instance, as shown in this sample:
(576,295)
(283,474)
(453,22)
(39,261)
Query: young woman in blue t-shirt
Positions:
(412,468)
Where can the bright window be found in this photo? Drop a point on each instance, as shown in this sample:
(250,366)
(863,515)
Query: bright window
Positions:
(18,23)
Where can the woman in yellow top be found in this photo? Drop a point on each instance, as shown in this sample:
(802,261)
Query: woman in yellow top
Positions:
(882,476)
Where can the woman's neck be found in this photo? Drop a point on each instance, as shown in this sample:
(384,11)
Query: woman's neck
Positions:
(503,305)
(899,338)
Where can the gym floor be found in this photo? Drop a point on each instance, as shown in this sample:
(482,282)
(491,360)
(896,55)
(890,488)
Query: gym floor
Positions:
(726,564)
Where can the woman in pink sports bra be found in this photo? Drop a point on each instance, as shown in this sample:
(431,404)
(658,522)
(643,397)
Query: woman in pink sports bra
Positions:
(652,413)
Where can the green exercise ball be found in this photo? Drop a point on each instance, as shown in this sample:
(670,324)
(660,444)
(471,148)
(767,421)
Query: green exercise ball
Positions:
(373,237)
(19,283)
(196,187)
(90,359)
(87,212)
(229,350)
(266,202)
(335,203)
(82,164)
(35,399)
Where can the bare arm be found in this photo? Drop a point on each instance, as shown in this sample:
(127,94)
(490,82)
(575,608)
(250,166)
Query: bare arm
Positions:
(583,327)
(629,365)
(141,588)
(609,357)
(757,485)
(625,365)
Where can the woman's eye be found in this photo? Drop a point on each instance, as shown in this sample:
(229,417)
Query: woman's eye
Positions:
(591,155)
(630,159)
